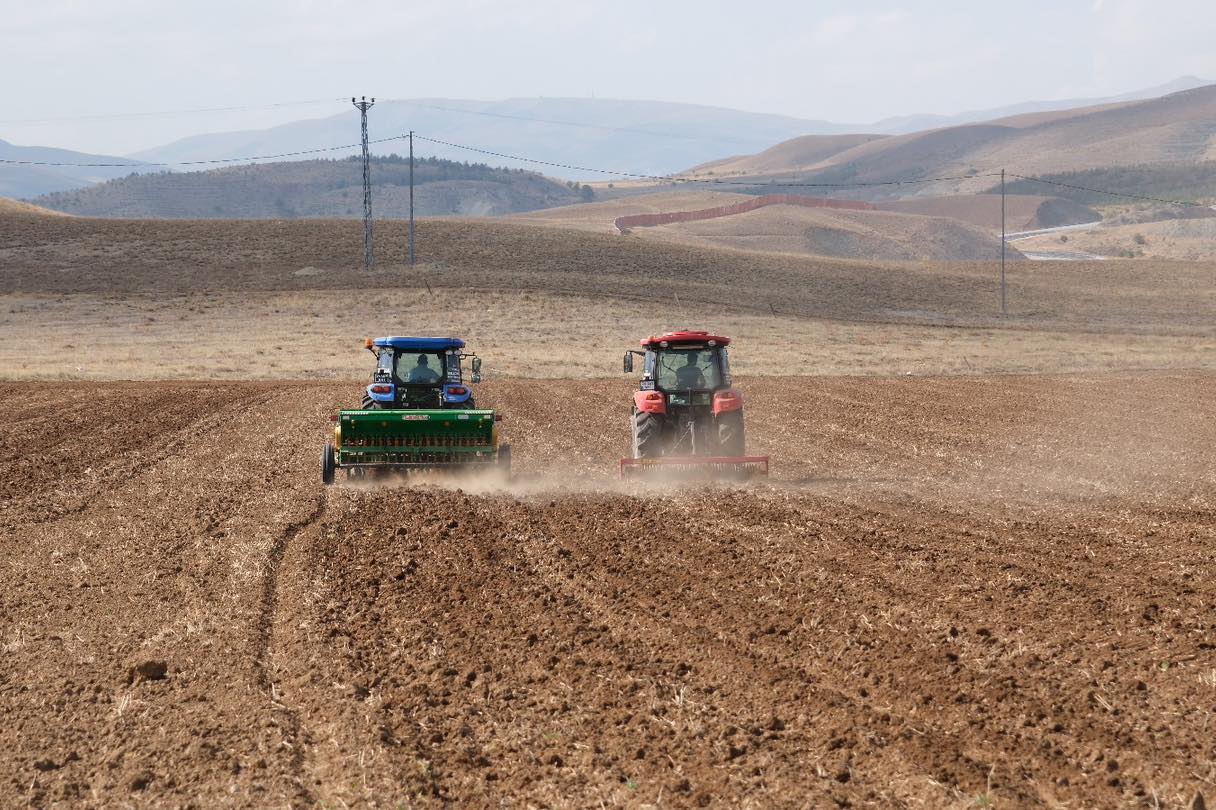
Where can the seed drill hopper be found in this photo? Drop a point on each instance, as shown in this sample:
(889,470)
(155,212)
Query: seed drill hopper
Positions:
(417,414)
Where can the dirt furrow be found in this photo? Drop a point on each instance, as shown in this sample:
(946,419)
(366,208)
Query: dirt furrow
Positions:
(952,593)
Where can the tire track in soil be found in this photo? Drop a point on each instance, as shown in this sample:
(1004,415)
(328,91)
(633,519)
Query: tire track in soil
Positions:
(295,737)
(148,449)
(786,684)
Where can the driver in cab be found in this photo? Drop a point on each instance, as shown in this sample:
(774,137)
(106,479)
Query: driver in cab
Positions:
(422,372)
(689,375)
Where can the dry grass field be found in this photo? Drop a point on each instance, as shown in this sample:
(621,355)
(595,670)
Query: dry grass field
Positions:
(300,335)
(101,299)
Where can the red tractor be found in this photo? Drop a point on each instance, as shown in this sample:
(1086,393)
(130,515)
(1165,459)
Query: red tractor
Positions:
(687,419)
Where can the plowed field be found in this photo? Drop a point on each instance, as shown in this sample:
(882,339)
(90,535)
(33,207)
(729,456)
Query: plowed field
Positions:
(983,591)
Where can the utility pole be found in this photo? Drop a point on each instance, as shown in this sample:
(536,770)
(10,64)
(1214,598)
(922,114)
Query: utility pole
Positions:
(1003,310)
(363,106)
(411,198)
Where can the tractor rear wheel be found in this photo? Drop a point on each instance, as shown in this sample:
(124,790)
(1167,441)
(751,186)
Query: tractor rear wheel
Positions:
(731,440)
(328,464)
(647,435)
(370,404)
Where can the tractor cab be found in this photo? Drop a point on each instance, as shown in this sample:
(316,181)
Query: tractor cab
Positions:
(419,372)
(683,362)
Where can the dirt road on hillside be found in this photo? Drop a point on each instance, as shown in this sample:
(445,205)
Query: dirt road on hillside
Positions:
(986,591)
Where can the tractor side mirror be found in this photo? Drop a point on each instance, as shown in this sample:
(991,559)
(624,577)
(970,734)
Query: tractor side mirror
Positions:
(476,366)
(628,362)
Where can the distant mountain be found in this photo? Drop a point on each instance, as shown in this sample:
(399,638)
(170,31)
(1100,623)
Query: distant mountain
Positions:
(649,137)
(18,180)
(902,125)
(319,188)
(1176,130)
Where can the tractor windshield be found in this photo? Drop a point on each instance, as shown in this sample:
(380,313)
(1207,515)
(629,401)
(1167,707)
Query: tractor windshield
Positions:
(420,368)
(691,368)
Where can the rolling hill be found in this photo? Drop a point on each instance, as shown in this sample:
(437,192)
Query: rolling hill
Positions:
(1178,128)
(318,188)
(796,153)
(912,235)
(869,235)
(1023,212)
(24,180)
(901,125)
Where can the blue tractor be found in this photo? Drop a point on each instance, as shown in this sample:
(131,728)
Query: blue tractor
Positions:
(418,413)
(420,372)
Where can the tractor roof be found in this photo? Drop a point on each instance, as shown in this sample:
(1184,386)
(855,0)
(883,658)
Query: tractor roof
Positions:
(676,338)
(420,344)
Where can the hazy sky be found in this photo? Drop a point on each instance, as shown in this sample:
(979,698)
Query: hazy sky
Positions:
(831,59)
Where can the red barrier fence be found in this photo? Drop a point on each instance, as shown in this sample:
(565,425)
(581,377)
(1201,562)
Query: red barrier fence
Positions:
(623,224)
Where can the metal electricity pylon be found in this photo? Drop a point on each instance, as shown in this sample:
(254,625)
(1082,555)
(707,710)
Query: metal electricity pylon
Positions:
(363,105)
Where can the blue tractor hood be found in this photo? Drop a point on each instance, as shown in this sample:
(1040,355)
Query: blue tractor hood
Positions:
(420,344)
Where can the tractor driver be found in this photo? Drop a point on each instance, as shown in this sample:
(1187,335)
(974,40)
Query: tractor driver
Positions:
(689,375)
(423,373)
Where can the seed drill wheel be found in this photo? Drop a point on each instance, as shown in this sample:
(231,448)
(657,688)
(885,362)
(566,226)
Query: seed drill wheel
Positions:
(731,440)
(328,464)
(647,435)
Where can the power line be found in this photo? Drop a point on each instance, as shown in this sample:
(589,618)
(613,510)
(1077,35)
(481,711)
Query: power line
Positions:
(595,170)
(709,181)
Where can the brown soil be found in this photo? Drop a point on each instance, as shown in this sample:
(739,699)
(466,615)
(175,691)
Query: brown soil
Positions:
(953,592)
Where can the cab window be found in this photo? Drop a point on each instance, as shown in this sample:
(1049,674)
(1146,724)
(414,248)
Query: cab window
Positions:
(420,368)
(686,369)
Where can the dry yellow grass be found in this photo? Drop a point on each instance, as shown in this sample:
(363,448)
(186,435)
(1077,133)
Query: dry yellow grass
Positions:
(148,299)
(318,334)
(16,207)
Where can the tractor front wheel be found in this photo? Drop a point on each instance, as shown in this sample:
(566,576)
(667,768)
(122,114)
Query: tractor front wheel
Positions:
(730,434)
(328,464)
(647,435)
